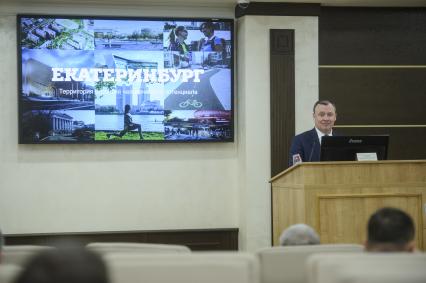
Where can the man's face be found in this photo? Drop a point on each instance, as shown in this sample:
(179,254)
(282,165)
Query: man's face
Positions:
(207,31)
(324,117)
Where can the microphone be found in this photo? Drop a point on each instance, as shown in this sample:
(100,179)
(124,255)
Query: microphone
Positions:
(296,159)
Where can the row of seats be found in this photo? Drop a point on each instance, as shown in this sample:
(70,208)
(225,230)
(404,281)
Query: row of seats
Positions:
(19,254)
(287,264)
(338,263)
(366,268)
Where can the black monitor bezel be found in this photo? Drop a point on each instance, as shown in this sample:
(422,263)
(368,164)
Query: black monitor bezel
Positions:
(350,143)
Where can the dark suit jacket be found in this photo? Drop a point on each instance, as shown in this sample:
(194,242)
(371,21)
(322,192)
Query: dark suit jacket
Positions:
(307,145)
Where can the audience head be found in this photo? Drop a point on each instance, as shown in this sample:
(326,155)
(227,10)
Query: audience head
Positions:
(64,265)
(299,234)
(390,230)
(1,243)
(324,115)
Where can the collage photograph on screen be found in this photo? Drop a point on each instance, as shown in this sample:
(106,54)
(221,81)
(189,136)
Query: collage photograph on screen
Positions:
(106,80)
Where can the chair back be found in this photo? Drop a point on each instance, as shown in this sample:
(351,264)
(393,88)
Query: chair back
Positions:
(183,267)
(413,272)
(337,268)
(108,248)
(8,272)
(287,264)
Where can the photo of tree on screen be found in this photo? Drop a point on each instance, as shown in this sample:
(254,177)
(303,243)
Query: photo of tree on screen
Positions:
(128,35)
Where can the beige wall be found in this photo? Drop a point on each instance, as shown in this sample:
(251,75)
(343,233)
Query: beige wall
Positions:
(57,188)
(73,188)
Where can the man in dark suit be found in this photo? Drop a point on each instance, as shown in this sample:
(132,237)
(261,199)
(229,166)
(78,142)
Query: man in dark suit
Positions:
(306,146)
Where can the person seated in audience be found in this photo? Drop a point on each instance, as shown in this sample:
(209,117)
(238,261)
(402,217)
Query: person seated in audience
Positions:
(390,230)
(299,234)
(64,265)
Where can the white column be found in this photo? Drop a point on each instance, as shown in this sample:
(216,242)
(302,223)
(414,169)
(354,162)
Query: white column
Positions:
(254,113)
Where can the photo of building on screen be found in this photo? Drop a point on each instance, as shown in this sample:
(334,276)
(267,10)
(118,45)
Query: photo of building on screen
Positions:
(44,126)
(40,92)
(49,33)
(144,99)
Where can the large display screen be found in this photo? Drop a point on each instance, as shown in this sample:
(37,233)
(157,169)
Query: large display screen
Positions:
(106,80)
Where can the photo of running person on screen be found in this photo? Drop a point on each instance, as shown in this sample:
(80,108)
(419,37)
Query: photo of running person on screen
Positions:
(128,124)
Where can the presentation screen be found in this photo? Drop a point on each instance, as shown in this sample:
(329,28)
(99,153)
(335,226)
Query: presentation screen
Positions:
(114,80)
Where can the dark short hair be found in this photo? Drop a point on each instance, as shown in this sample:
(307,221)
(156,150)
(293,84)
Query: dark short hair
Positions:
(208,25)
(64,265)
(324,102)
(390,226)
(1,241)
(179,29)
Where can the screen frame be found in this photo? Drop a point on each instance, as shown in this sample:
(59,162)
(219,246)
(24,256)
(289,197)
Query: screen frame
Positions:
(332,146)
(230,21)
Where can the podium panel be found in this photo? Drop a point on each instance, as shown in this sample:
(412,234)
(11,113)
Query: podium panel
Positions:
(343,218)
(337,198)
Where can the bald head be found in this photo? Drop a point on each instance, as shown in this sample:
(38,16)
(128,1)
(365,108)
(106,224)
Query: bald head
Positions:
(299,234)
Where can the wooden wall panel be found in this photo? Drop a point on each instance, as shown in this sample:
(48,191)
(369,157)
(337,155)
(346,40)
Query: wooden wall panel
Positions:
(372,36)
(277,9)
(404,142)
(335,210)
(391,96)
(372,65)
(197,240)
(282,96)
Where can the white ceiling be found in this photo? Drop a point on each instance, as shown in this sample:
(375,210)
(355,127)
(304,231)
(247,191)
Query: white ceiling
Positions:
(228,3)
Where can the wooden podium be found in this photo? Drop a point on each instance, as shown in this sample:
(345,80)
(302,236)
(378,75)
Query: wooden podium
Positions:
(337,198)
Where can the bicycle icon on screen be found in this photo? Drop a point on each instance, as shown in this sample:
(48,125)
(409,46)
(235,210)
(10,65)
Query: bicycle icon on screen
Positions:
(190,102)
